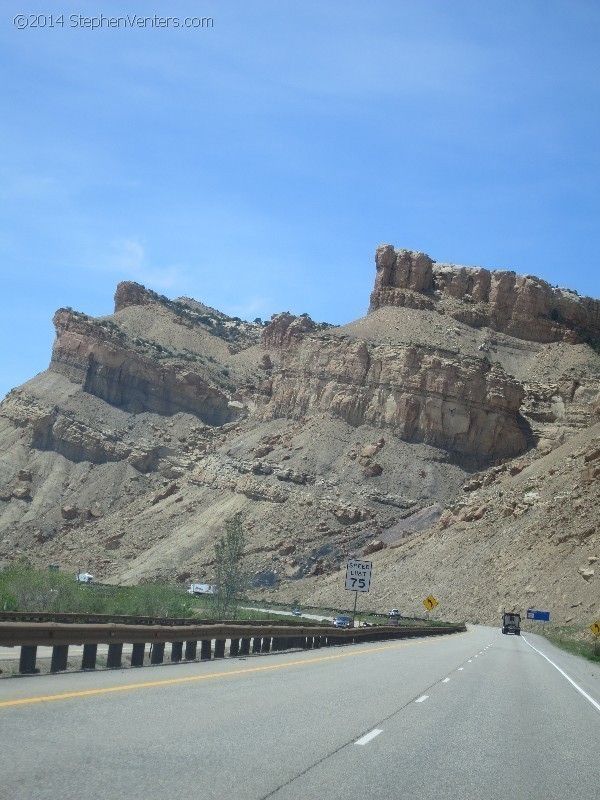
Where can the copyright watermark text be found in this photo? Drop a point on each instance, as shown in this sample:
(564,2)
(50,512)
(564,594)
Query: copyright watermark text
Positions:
(27,21)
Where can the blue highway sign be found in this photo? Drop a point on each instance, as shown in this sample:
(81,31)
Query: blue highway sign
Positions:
(541,616)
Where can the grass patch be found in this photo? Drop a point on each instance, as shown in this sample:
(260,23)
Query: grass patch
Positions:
(573,639)
(24,588)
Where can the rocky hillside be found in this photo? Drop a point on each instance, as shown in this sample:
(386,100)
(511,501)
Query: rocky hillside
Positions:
(451,432)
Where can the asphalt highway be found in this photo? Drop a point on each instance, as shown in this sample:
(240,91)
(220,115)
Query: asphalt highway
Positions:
(475,715)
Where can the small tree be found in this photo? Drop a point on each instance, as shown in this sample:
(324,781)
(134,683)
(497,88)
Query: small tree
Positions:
(229,575)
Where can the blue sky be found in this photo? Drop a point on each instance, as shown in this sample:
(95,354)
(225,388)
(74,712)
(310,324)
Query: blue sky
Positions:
(256,165)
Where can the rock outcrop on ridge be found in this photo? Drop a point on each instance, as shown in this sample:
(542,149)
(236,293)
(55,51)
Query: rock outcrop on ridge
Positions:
(520,305)
(404,434)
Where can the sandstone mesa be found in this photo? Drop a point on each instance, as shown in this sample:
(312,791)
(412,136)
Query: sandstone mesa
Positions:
(455,424)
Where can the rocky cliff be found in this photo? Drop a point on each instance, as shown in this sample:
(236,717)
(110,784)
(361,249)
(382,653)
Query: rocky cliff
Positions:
(155,423)
(465,406)
(99,356)
(520,305)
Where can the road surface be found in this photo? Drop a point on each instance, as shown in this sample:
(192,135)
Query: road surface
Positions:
(302,616)
(475,715)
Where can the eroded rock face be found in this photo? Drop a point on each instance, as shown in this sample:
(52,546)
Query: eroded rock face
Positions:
(99,357)
(463,405)
(48,427)
(520,305)
(285,328)
(130,293)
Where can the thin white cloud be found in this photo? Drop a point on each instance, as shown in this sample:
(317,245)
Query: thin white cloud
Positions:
(128,258)
(129,255)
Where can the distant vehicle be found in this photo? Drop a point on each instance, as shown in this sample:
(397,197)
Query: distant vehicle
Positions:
(394,613)
(84,577)
(201,588)
(297,612)
(511,623)
(342,622)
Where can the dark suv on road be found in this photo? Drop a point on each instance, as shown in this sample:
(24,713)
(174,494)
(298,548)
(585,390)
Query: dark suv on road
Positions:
(342,622)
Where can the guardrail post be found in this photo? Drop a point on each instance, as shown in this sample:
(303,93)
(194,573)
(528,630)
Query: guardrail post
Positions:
(60,653)
(219,648)
(205,650)
(245,647)
(190,651)
(115,653)
(137,654)
(27,659)
(88,660)
(317,642)
(158,653)
(266,644)
(234,648)
(256,642)
(308,642)
(176,651)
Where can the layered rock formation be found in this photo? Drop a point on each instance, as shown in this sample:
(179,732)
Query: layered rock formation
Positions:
(464,406)
(520,305)
(98,356)
(155,424)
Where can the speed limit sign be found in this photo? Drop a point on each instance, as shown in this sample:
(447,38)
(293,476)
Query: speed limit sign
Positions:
(358,576)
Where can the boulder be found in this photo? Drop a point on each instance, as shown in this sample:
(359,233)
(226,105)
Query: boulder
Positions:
(22,492)
(349,515)
(168,492)
(372,470)
(373,547)
(69,512)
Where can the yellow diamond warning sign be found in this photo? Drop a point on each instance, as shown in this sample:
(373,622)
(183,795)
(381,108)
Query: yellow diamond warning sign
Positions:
(430,602)
(595,628)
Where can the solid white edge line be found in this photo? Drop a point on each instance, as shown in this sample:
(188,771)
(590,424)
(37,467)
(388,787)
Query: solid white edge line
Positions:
(564,674)
(368,736)
(422,698)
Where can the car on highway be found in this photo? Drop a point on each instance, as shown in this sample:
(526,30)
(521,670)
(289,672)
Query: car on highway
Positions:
(342,621)
(394,612)
(297,612)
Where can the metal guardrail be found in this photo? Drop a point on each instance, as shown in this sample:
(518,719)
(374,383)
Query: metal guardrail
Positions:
(130,619)
(242,638)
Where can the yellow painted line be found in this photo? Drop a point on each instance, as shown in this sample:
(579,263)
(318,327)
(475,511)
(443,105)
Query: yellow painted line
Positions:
(302,662)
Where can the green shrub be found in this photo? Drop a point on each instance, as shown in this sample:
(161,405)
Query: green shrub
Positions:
(23,588)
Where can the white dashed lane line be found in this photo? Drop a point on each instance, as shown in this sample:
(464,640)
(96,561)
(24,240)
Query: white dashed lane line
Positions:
(422,698)
(445,680)
(368,736)
(460,669)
